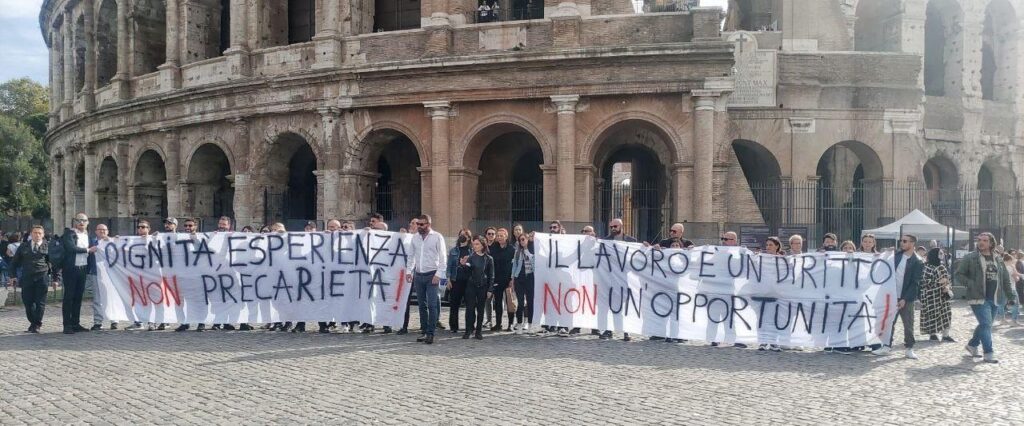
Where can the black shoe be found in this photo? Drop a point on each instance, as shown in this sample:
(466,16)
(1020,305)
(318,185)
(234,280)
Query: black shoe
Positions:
(287,326)
(79,328)
(402,331)
(32,329)
(182,327)
(96,327)
(387,330)
(113,326)
(244,327)
(496,328)
(478,335)
(606,335)
(739,345)
(69,331)
(422,338)
(429,340)
(215,327)
(454,331)
(299,328)
(201,327)
(933,337)
(465,335)
(162,327)
(229,327)
(595,332)
(948,339)
(367,330)
(670,340)
(656,338)
(626,338)
(440,326)
(574,332)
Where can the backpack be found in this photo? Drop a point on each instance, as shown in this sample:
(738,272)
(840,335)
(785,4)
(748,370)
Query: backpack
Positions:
(55,248)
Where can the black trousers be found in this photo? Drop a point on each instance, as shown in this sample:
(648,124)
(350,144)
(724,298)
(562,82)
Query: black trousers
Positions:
(455,297)
(524,297)
(405,325)
(499,300)
(476,304)
(33,295)
(74,288)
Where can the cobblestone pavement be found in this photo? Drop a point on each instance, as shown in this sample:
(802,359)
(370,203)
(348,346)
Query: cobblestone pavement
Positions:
(221,377)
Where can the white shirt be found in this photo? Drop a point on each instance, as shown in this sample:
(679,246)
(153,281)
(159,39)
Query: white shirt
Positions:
(82,259)
(429,254)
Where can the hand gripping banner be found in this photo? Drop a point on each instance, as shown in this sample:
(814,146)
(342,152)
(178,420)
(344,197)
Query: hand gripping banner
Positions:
(255,278)
(716,294)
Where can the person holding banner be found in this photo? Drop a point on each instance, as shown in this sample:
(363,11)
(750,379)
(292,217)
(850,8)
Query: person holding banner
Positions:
(480,279)
(141,230)
(984,276)
(33,260)
(868,244)
(427,264)
(91,281)
(522,273)
(616,233)
(796,245)
(189,226)
(910,267)
(75,243)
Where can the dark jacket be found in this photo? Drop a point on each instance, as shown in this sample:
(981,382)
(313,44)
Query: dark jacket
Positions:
(625,238)
(91,266)
(32,264)
(502,264)
(911,276)
(970,274)
(456,272)
(481,271)
(71,250)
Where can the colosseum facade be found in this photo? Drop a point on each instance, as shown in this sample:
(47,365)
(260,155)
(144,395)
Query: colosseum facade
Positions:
(827,114)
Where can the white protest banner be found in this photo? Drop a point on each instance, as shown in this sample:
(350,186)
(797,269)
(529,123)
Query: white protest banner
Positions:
(256,278)
(716,294)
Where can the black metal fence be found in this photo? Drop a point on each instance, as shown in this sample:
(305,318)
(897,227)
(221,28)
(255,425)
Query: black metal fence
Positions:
(510,203)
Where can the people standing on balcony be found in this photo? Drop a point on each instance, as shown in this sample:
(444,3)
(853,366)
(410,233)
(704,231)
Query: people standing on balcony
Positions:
(427,263)
(92,281)
(484,12)
(522,273)
(936,292)
(909,267)
(458,277)
(76,248)
(33,260)
(984,276)
(617,233)
(502,251)
(479,282)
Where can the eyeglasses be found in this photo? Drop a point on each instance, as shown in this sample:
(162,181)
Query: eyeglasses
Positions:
(490,233)
(80,220)
(728,239)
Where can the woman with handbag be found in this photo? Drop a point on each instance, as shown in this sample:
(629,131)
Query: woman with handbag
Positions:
(480,278)
(522,275)
(936,292)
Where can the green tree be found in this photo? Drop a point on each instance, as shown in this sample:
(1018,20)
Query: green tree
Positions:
(26,101)
(23,175)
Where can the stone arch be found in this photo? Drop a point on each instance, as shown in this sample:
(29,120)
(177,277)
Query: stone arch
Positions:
(149,185)
(485,130)
(996,186)
(274,132)
(943,55)
(208,191)
(148,35)
(106,187)
(106,42)
(507,158)
(849,188)
(877,27)
(999,52)
(633,158)
(942,181)
(393,159)
(763,176)
(357,156)
(676,151)
(215,141)
(289,178)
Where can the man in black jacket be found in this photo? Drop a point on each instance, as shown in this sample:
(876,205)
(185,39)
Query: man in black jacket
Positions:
(617,233)
(907,263)
(34,260)
(75,243)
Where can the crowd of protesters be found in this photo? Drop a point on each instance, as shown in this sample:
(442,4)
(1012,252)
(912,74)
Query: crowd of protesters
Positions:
(491,275)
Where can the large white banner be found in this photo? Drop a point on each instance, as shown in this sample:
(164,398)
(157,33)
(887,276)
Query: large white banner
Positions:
(716,294)
(256,278)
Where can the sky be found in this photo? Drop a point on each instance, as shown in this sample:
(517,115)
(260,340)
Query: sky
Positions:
(23,52)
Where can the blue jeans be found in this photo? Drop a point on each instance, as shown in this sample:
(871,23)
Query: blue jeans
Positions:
(983,332)
(428,301)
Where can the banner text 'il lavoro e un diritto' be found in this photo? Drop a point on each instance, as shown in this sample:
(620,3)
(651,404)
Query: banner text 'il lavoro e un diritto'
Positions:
(256,278)
(717,294)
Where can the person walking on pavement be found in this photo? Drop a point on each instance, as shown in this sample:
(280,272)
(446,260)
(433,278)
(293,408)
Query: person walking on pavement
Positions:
(984,276)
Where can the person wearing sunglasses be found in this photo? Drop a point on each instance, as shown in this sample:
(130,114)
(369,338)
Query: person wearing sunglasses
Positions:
(427,263)
(910,267)
(141,230)
(189,227)
(75,243)
(616,232)
(730,239)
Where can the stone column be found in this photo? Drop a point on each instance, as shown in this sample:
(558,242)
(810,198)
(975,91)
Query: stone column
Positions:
(56,192)
(91,171)
(56,86)
(327,41)
(123,199)
(565,105)
(69,188)
(683,191)
(121,79)
(67,107)
(243,211)
(585,198)
(357,188)
(170,71)
(440,113)
(173,166)
(238,53)
(550,198)
(704,155)
(89,89)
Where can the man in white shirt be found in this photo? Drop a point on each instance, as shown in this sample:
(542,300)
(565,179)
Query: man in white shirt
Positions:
(76,263)
(428,267)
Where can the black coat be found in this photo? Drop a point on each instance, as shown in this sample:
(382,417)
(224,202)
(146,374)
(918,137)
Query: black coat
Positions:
(911,276)
(32,263)
(70,243)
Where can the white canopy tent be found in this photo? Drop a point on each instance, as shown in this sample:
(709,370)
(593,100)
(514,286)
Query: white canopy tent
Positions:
(919,224)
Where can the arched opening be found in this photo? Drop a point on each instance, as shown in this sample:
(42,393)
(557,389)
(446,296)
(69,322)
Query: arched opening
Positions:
(942,53)
(224,35)
(877,28)
(943,183)
(290,180)
(211,22)
(79,193)
(763,175)
(106,42)
(301,21)
(849,189)
(396,193)
(393,15)
(286,22)
(510,187)
(209,190)
(999,52)
(150,189)
(106,189)
(633,182)
(149,35)
(996,189)
(79,53)
(753,15)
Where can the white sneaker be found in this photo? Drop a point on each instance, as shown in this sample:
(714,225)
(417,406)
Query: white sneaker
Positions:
(882,351)
(973,350)
(910,354)
(515,329)
(526,328)
(991,358)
